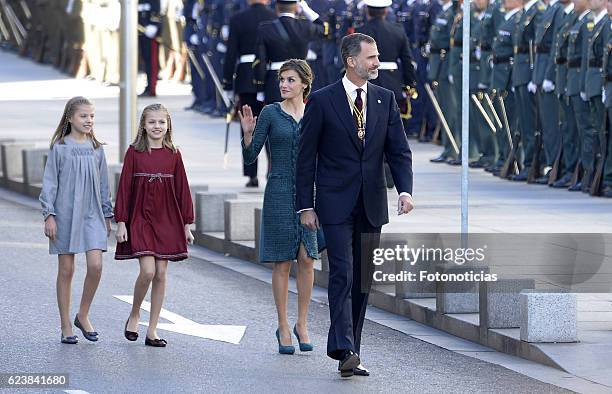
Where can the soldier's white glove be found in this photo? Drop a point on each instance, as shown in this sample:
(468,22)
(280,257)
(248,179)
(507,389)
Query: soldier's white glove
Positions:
(261,96)
(451,79)
(150,31)
(548,86)
(225,32)
(603,95)
(194,40)
(308,12)
(583,96)
(428,48)
(477,53)
(221,48)
(229,94)
(482,86)
(532,87)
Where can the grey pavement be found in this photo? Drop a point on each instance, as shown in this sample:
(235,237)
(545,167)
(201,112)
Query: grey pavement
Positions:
(32,98)
(207,293)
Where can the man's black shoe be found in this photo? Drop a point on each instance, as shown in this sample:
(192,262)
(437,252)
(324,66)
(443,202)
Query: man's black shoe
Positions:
(349,362)
(454,162)
(607,192)
(360,370)
(562,182)
(253,182)
(439,159)
(521,176)
(576,187)
(146,93)
(543,180)
(476,164)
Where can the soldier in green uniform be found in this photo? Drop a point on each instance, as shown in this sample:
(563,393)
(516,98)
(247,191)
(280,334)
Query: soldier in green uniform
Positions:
(607,75)
(593,84)
(490,21)
(544,77)
(522,75)
(567,120)
(438,47)
(455,78)
(502,56)
(576,71)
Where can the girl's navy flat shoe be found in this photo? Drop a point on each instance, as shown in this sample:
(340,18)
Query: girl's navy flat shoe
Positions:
(71,340)
(89,335)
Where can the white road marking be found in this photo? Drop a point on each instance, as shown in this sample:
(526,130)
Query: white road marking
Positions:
(76,392)
(182,325)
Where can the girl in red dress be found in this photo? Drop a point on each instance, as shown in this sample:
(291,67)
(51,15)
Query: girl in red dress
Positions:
(153,213)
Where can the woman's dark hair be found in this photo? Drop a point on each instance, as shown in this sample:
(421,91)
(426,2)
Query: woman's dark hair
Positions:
(302,69)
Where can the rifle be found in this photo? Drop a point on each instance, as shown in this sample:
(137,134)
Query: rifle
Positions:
(553,175)
(511,163)
(229,104)
(600,158)
(450,136)
(535,171)
(493,111)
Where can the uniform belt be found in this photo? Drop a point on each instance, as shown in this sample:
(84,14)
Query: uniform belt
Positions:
(387,66)
(486,48)
(275,66)
(542,49)
(596,63)
(502,59)
(609,78)
(573,63)
(249,58)
(560,60)
(521,50)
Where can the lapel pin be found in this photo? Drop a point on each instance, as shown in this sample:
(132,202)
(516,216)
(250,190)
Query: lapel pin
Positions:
(378,101)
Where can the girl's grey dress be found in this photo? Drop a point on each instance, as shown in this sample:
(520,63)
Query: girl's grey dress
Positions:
(281,231)
(75,190)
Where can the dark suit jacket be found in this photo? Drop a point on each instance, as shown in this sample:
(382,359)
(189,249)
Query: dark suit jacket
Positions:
(331,154)
(243,29)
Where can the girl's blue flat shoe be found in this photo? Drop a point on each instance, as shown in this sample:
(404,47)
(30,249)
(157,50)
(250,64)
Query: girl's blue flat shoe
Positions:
(89,335)
(282,349)
(71,340)
(304,346)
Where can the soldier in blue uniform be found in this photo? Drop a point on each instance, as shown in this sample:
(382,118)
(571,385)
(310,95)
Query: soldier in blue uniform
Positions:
(150,21)
(191,36)
(237,66)
(286,37)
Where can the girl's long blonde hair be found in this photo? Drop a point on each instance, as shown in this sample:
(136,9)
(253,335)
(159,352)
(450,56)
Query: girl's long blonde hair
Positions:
(65,127)
(141,142)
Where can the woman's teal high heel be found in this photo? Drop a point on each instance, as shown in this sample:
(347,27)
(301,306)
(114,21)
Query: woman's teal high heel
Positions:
(282,349)
(304,347)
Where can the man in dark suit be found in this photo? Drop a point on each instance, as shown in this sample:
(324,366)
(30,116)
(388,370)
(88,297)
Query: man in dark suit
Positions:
(237,68)
(347,128)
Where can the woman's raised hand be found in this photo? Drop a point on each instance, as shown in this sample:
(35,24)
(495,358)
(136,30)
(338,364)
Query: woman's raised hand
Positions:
(247,121)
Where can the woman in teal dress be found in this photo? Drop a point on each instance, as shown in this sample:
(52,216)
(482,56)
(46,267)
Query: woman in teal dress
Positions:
(283,238)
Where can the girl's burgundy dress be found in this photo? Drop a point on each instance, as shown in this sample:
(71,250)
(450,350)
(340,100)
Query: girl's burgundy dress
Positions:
(155,203)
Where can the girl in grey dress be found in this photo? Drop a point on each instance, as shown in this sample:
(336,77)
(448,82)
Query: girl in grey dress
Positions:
(283,238)
(77,210)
